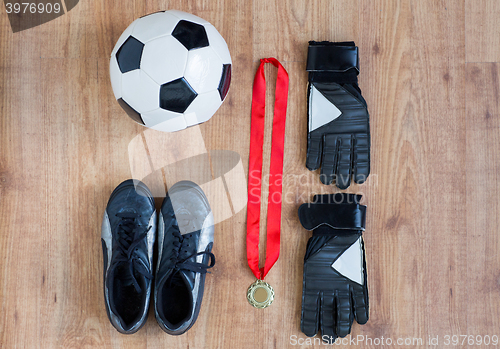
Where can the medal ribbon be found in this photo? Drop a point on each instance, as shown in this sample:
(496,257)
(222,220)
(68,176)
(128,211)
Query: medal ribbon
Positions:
(275,172)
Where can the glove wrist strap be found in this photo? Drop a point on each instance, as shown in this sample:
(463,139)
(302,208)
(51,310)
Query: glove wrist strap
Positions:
(330,57)
(336,216)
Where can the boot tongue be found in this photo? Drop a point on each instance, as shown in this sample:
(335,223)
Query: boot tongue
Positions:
(188,279)
(188,249)
(130,273)
(175,278)
(127,276)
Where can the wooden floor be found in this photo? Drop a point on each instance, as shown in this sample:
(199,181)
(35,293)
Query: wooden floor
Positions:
(430,73)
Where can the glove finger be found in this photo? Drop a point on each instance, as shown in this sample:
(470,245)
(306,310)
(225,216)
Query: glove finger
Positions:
(344,169)
(327,321)
(330,158)
(360,306)
(314,149)
(361,158)
(344,314)
(310,314)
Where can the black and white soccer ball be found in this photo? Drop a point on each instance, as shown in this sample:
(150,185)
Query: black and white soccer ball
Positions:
(170,70)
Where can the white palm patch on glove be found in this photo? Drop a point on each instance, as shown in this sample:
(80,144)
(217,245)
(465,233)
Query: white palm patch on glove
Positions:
(321,110)
(350,263)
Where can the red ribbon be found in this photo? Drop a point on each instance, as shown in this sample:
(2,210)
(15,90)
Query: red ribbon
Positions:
(275,172)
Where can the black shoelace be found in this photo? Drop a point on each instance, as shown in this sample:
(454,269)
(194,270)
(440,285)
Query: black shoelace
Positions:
(130,235)
(183,252)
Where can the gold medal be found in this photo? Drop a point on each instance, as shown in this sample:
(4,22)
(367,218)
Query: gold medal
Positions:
(260,294)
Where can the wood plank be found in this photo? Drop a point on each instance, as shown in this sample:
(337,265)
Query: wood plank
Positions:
(483,188)
(436,162)
(482,31)
(21,204)
(283,28)
(385,80)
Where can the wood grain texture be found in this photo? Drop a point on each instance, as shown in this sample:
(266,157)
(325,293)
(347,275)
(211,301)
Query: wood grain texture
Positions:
(436,149)
(385,79)
(296,22)
(432,232)
(483,188)
(482,31)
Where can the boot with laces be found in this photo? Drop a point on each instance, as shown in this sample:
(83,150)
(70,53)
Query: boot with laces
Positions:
(127,237)
(185,240)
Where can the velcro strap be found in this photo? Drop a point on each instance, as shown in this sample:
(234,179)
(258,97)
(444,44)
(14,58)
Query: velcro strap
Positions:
(337,216)
(331,58)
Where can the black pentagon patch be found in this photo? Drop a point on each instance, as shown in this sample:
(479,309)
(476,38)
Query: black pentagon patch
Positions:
(129,54)
(176,95)
(190,34)
(225,81)
(130,111)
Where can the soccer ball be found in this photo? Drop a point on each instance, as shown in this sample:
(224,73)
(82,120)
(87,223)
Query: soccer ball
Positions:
(170,70)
